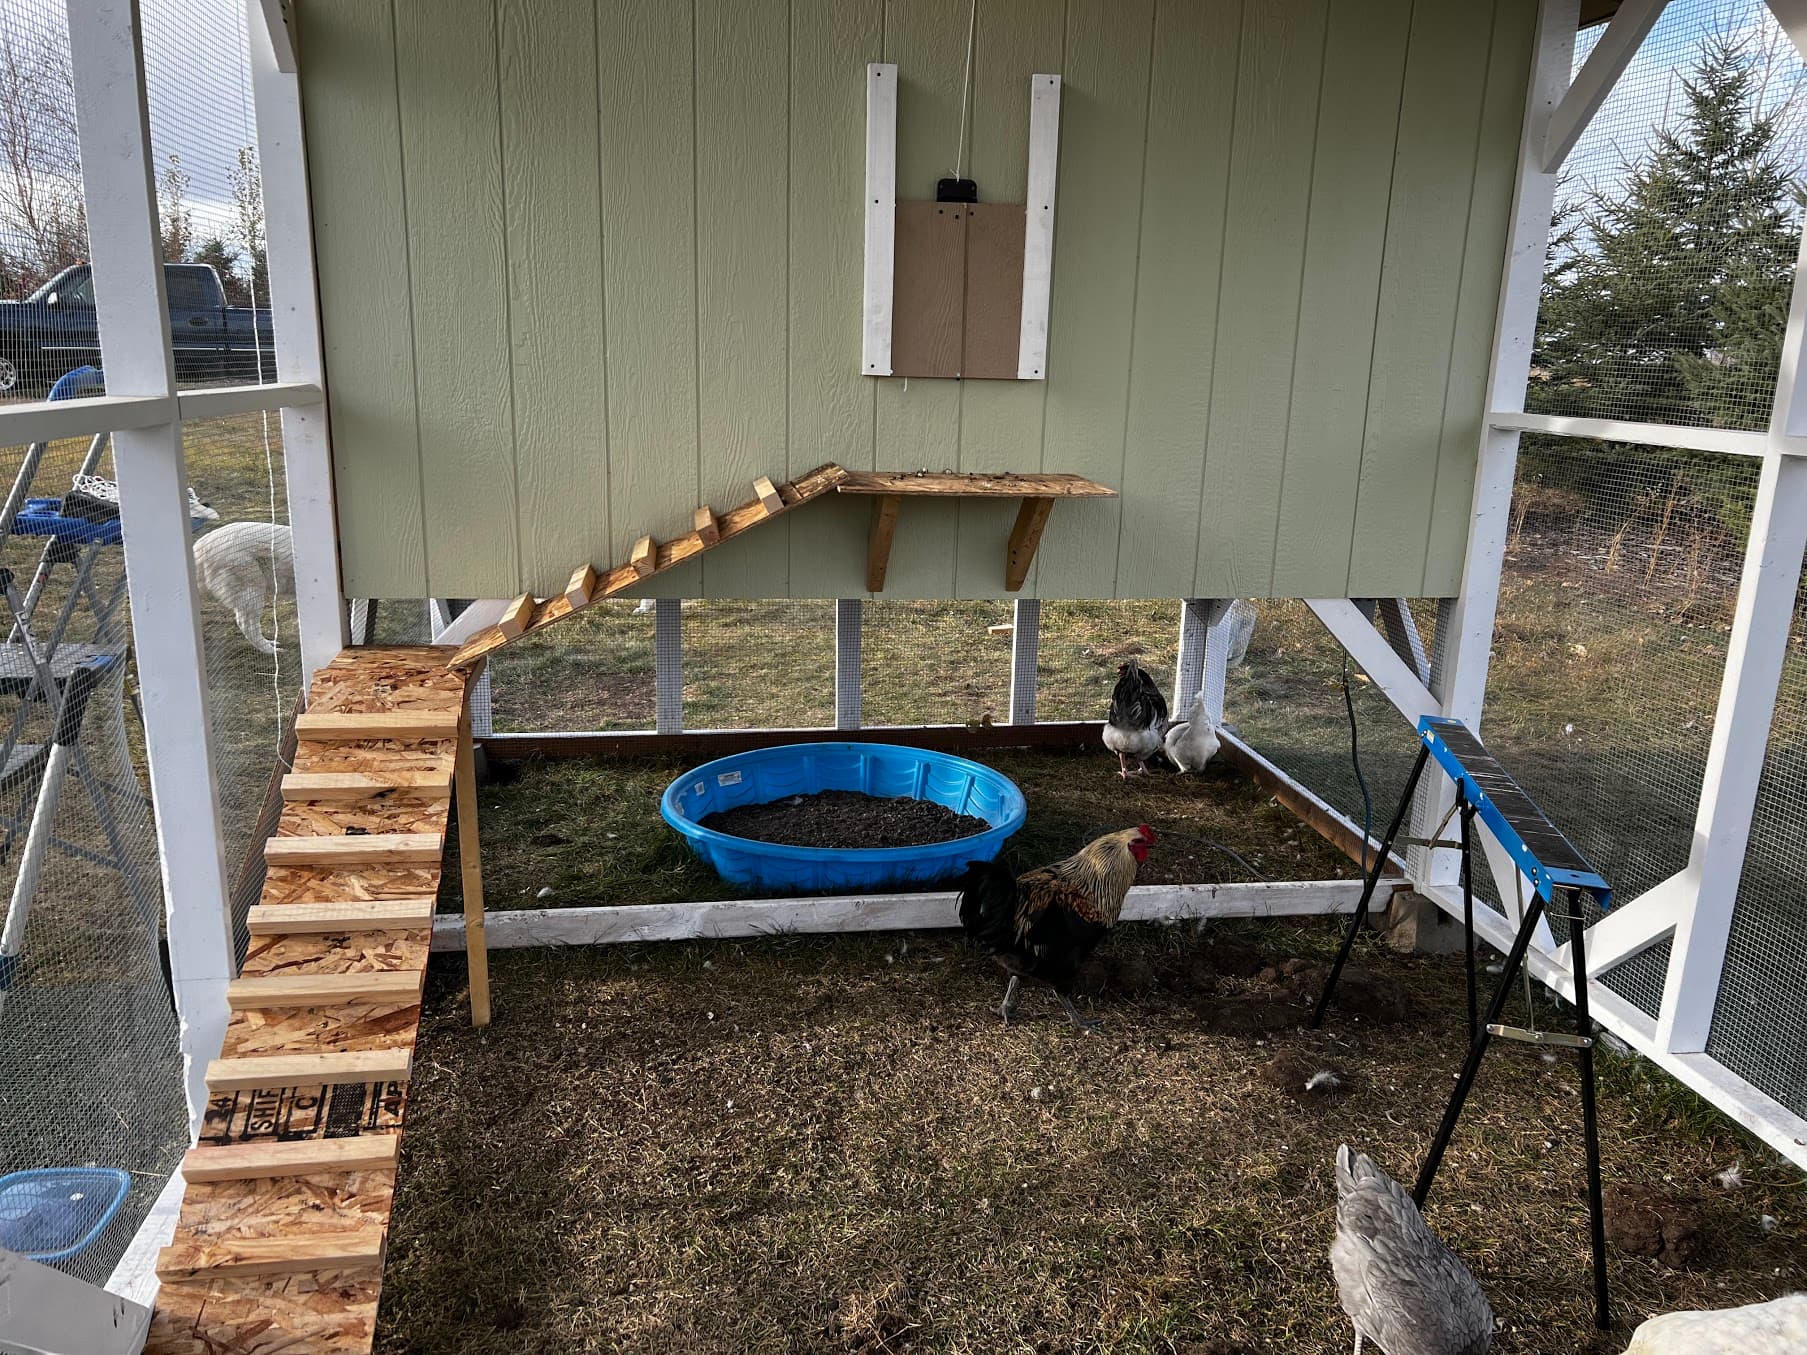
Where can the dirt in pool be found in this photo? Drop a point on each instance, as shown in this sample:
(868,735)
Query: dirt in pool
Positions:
(846,818)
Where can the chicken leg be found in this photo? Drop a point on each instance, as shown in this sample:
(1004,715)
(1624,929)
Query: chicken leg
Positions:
(1085,1024)
(1123,766)
(1007,1008)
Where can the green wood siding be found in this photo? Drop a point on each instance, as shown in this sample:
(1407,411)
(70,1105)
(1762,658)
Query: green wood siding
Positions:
(588,263)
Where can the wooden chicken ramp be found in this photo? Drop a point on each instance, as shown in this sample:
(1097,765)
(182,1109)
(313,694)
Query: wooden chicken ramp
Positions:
(285,1215)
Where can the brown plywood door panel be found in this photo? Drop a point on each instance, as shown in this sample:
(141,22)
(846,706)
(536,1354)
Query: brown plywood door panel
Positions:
(928,289)
(994,290)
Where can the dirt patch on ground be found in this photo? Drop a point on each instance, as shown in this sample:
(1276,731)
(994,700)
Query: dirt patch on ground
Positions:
(846,818)
(825,1145)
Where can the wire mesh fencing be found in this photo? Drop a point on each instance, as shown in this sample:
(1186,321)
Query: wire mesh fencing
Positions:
(90,1070)
(935,663)
(758,665)
(1676,228)
(1084,643)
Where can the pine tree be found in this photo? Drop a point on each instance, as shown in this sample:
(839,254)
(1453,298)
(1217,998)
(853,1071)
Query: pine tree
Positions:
(1666,298)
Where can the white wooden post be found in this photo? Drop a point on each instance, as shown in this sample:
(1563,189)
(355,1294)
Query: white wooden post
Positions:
(848,613)
(668,665)
(1025,651)
(1464,643)
(1204,656)
(289,241)
(1759,641)
(881,216)
(118,178)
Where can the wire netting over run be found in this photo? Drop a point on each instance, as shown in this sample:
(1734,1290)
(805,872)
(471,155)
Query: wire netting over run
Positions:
(1677,227)
(90,1072)
(1762,1005)
(937,663)
(1084,643)
(752,665)
(593,672)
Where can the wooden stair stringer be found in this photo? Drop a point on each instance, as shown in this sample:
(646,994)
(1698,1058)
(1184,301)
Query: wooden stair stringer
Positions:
(280,1247)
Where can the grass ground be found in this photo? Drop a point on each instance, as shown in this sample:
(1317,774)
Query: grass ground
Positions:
(830,1145)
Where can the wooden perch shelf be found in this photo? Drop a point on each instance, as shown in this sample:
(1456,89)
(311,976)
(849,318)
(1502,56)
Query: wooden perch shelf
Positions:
(1038,493)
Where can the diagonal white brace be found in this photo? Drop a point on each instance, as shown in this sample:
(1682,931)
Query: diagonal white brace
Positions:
(1604,65)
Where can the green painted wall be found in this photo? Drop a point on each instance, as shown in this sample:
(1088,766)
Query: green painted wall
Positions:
(587,263)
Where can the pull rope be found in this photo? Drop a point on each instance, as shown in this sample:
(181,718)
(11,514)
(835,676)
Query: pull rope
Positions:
(966,80)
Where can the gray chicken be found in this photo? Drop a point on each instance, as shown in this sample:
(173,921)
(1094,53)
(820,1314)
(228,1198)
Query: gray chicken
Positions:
(1402,1288)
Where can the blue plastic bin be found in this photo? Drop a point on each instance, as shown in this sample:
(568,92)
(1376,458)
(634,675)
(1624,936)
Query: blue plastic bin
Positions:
(53,1213)
(880,769)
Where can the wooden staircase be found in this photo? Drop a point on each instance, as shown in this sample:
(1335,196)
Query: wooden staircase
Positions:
(527,614)
(279,1244)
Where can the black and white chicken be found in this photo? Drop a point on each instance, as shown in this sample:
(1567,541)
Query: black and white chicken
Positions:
(1138,719)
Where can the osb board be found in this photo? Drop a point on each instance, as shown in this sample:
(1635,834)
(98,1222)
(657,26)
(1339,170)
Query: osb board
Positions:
(322,818)
(284,1206)
(320,1030)
(376,756)
(319,1313)
(412,678)
(994,290)
(337,952)
(928,289)
(317,884)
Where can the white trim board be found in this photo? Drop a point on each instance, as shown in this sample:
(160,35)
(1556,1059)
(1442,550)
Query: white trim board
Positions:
(517,927)
(881,215)
(1038,226)
(1731,441)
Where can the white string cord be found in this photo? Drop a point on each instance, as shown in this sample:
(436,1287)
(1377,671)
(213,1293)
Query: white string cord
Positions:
(966,81)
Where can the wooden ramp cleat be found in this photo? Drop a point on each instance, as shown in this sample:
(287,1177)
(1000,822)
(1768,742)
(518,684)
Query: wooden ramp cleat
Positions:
(356,849)
(273,1072)
(194,1258)
(354,915)
(269,991)
(308,1157)
(334,787)
(334,726)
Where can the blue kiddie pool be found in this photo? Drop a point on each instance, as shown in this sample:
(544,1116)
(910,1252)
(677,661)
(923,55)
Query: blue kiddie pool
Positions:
(879,769)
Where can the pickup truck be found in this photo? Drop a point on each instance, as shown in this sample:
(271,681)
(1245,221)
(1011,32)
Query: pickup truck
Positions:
(54,330)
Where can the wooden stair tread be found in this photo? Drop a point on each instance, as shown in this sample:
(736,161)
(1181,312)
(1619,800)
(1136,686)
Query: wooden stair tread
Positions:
(265,1158)
(348,849)
(289,919)
(335,786)
(263,1072)
(324,990)
(189,1258)
(336,726)
(650,557)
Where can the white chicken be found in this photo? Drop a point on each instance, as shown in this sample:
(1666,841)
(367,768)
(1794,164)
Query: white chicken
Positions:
(1777,1328)
(1193,741)
(1138,719)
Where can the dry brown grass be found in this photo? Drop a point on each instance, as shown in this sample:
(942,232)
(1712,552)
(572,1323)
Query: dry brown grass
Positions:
(829,1144)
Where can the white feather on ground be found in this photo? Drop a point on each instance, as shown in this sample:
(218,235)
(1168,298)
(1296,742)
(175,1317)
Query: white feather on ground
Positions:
(1323,1081)
(246,566)
(1401,1287)
(1732,1177)
(1775,1328)
(1193,742)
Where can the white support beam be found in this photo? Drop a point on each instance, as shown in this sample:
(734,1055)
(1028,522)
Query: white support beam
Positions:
(119,181)
(668,665)
(1633,927)
(218,402)
(516,927)
(1604,65)
(1025,655)
(477,616)
(1401,629)
(294,308)
(278,21)
(1465,629)
(1370,650)
(1038,226)
(848,617)
(47,420)
(1204,651)
(1792,15)
(1729,441)
(881,216)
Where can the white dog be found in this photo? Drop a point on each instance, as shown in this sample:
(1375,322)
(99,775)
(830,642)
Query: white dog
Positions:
(247,566)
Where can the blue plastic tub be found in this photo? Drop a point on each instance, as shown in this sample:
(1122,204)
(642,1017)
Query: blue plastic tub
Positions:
(53,1213)
(881,769)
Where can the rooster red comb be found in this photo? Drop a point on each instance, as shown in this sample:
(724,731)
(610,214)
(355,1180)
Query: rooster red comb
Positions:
(1147,833)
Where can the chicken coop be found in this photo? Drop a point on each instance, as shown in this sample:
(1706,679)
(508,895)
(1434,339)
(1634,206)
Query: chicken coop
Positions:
(657,384)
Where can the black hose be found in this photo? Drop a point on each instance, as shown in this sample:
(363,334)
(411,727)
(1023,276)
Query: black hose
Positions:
(1355,758)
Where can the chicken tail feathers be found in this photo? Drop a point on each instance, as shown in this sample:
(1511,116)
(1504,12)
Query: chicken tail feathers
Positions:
(988,905)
